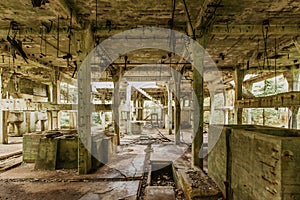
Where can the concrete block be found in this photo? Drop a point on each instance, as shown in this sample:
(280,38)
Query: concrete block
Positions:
(30,146)
(256,162)
(47,152)
(67,154)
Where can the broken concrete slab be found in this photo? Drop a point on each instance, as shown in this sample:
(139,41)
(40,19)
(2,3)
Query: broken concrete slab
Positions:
(196,184)
(167,152)
(159,192)
(114,190)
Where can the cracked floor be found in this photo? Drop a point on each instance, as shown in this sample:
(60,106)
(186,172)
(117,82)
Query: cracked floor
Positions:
(119,179)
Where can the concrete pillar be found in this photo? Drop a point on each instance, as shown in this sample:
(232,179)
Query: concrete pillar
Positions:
(49,118)
(43,125)
(73,120)
(238,79)
(116,105)
(293,117)
(212,108)
(54,90)
(4,127)
(169,117)
(84,119)
(248,87)
(54,122)
(140,109)
(198,100)
(249,116)
(102,115)
(128,106)
(30,122)
(177,78)
(3,118)
(165,103)
(292,77)
(226,111)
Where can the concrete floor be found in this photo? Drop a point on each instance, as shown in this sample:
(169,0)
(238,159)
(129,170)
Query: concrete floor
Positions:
(14,146)
(119,179)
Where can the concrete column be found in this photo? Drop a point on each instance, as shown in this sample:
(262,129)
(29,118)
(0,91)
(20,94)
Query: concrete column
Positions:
(226,111)
(55,122)
(169,118)
(198,100)
(177,78)
(293,117)
(238,79)
(43,125)
(84,119)
(49,118)
(128,106)
(165,103)
(116,105)
(140,109)
(4,127)
(53,116)
(72,120)
(28,122)
(3,118)
(248,87)
(54,90)
(103,120)
(292,77)
(212,108)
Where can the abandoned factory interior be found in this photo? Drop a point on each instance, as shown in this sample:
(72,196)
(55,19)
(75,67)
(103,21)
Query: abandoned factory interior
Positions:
(150,99)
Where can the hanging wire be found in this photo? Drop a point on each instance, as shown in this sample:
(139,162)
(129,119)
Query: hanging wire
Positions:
(265,37)
(96,14)
(257,55)
(275,65)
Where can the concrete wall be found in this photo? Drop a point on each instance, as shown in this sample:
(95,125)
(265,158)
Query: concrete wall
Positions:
(255,162)
(290,166)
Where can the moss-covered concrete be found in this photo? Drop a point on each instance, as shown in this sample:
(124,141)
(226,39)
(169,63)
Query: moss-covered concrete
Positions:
(30,146)
(255,162)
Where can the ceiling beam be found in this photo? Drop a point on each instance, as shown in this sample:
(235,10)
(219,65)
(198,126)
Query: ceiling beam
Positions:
(287,99)
(280,29)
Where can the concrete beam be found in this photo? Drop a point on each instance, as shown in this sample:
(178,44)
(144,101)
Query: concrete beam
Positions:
(238,79)
(287,99)
(26,105)
(291,29)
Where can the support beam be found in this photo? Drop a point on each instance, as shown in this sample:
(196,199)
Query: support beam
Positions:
(27,105)
(169,118)
(3,118)
(140,108)
(84,119)
(287,29)
(281,100)
(177,78)
(226,111)
(73,120)
(238,79)
(293,120)
(198,101)
(116,113)
(128,108)
(292,77)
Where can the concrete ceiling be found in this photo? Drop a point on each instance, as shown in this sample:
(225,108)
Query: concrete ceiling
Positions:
(256,35)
